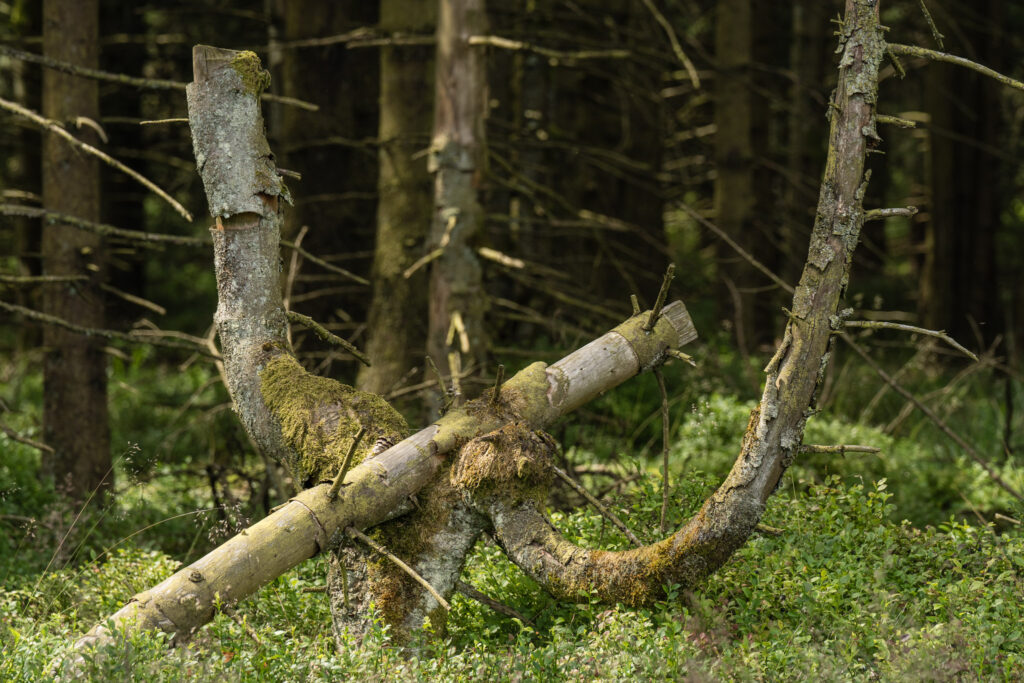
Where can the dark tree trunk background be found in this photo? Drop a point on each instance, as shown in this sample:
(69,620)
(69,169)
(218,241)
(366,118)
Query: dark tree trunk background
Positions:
(75,380)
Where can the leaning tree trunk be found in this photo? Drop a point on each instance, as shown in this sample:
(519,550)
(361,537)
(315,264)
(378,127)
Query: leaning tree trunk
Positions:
(75,368)
(502,468)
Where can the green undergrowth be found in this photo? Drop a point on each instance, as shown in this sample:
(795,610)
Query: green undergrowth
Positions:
(848,591)
(844,593)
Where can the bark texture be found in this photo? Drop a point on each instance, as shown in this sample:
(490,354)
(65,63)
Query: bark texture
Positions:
(397,319)
(75,368)
(244,193)
(457,154)
(308,422)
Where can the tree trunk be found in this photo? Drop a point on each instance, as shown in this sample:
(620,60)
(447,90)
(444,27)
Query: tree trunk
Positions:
(74,372)
(457,157)
(505,473)
(734,156)
(338,170)
(809,55)
(398,311)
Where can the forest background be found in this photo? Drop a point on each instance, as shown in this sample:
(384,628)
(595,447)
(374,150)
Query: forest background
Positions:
(617,137)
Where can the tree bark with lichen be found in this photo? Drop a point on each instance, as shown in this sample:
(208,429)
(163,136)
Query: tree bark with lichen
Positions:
(308,423)
(505,474)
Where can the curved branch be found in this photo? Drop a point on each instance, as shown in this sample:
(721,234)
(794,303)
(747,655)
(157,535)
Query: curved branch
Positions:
(59,131)
(506,474)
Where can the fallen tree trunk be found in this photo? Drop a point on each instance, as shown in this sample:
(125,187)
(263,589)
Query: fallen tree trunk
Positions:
(311,522)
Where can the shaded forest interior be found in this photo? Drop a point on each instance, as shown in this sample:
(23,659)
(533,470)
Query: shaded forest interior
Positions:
(610,139)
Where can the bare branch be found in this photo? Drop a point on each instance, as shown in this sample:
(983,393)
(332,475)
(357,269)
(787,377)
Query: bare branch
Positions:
(59,131)
(324,264)
(930,414)
(935,56)
(736,247)
(938,334)
(101,228)
(691,70)
(896,121)
(29,280)
(841,449)
(931,24)
(327,336)
(133,338)
(598,505)
(518,45)
(882,214)
(474,594)
(15,436)
(664,448)
(123,79)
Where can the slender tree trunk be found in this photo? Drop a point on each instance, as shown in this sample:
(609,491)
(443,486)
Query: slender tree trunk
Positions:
(22,171)
(398,311)
(734,154)
(457,158)
(74,373)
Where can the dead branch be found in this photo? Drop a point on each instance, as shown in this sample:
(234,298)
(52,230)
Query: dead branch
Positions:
(938,334)
(936,420)
(935,56)
(124,79)
(557,55)
(325,335)
(102,228)
(355,533)
(132,337)
(605,512)
(59,131)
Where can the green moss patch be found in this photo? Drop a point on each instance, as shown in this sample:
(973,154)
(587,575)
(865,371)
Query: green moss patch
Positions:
(319,418)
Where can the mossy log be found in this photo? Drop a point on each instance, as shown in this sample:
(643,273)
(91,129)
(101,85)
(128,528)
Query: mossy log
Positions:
(310,522)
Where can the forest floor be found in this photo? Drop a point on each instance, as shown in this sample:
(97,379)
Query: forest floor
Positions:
(903,565)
